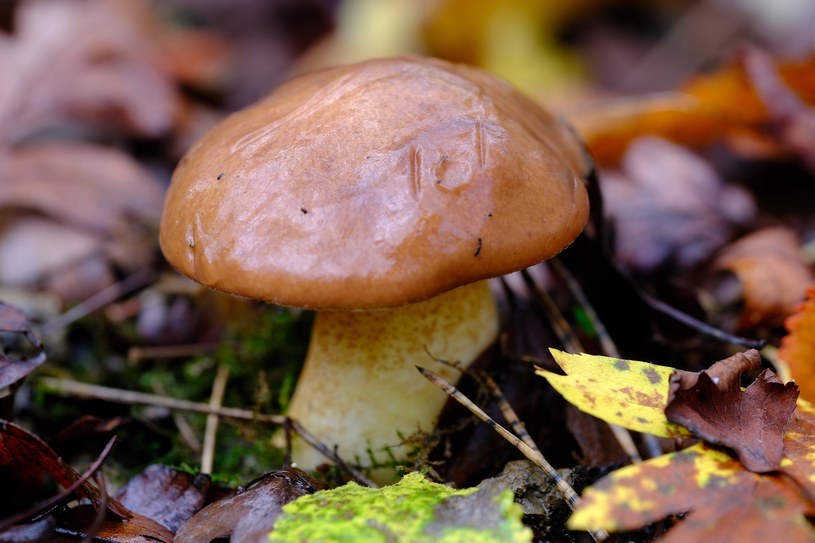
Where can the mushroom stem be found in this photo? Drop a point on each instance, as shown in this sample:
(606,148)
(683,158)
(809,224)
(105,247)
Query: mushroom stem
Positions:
(359,388)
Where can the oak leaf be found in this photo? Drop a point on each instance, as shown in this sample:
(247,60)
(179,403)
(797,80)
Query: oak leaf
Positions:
(712,405)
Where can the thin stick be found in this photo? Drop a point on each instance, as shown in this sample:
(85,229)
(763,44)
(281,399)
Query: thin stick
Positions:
(570,340)
(47,504)
(606,343)
(68,387)
(216,400)
(696,324)
(102,298)
(609,348)
(571,497)
(138,354)
(332,455)
(510,415)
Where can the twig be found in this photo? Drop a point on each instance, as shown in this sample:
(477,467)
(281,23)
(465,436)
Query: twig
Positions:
(571,497)
(75,388)
(102,298)
(570,340)
(45,505)
(332,455)
(608,347)
(606,343)
(138,354)
(101,511)
(216,400)
(696,324)
(509,413)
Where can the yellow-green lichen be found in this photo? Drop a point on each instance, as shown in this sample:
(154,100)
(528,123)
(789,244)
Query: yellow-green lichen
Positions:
(414,510)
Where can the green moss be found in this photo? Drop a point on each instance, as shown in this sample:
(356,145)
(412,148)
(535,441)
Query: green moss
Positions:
(414,510)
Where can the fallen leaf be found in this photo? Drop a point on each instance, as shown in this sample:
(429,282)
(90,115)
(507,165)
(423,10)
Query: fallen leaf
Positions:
(13,369)
(723,502)
(165,495)
(668,205)
(625,392)
(247,516)
(82,62)
(793,120)
(708,108)
(774,277)
(799,444)
(798,346)
(712,405)
(27,463)
(73,212)
(88,186)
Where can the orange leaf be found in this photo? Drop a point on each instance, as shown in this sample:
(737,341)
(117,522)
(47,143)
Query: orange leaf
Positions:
(772,272)
(708,108)
(798,347)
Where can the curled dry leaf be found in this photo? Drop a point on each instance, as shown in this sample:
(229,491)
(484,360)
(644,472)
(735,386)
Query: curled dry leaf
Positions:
(249,515)
(668,204)
(84,61)
(773,274)
(752,422)
(798,346)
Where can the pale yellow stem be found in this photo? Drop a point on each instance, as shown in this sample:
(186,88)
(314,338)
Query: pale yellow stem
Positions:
(359,388)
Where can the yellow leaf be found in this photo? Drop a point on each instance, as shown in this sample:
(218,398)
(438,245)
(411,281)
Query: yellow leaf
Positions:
(624,392)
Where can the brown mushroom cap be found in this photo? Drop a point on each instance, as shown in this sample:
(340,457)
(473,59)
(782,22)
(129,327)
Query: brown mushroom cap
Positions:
(373,185)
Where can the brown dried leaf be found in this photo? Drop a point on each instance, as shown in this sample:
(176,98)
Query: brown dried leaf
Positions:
(798,346)
(86,185)
(712,405)
(249,515)
(94,207)
(772,271)
(667,204)
(165,495)
(84,61)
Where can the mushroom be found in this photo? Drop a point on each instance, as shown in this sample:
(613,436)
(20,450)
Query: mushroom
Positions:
(382,195)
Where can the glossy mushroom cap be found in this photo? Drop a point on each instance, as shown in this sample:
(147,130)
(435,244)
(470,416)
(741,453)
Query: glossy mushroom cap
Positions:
(373,185)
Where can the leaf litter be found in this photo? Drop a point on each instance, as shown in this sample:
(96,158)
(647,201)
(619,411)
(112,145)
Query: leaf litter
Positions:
(100,106)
